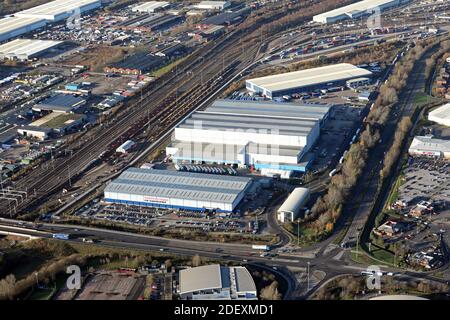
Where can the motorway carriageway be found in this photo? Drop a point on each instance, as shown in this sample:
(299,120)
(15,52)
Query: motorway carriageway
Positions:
(129,240)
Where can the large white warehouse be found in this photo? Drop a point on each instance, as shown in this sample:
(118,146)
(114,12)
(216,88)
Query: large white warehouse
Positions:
(262,134)
(310,79)
(11,27)
(290,209)
(151,6)
(60,9)
(356,10)
(441,115)
(213,5)
(24,49)
(178,190)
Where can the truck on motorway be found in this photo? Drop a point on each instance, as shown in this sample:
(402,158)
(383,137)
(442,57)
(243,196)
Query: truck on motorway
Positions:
(332,173)
(61,236)
(261,247)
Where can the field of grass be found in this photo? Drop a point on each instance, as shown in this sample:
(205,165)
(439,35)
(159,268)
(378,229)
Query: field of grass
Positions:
(422,99)
(167,68)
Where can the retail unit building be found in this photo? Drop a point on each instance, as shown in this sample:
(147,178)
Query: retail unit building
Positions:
(215,282)
(429,146)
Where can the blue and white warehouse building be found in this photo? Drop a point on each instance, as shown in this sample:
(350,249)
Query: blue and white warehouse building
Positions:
(177,190)
(262,134)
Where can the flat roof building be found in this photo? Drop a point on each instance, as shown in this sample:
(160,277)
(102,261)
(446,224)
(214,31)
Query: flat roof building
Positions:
(34,132)
(60,103)
(304,80)
(215,282)
(213,5)
(290,209)
(60,9)
(441,115)
(151,6)
(249,133)
(429,146)
(12,27)
(25,49)
(356,10)
(177,190)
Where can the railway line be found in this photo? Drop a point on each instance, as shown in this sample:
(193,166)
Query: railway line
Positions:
(161,104)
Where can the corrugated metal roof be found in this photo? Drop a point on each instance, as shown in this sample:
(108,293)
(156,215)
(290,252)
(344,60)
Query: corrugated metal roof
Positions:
(309,77)
(295,200)
(13,23)
(207,151)
(355,8)
(442,113)
(244,281)
(61,102)
(425,143)
(57,7)
(200,278)
(270,109)
(151,6)
(26,47)
(181,185)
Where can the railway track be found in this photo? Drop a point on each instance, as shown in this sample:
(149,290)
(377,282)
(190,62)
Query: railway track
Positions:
(168,108)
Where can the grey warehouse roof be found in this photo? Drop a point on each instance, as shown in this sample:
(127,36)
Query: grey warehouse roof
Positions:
(200,278)
(56,7)
(26,47)
(60,102)
(270,109)
(180,185)
(310,77)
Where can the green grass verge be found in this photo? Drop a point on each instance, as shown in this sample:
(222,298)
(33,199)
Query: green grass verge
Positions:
(167,68)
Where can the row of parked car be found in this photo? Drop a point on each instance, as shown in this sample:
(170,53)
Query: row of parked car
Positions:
(206,169)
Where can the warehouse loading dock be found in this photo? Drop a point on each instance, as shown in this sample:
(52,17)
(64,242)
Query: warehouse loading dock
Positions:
(249,134)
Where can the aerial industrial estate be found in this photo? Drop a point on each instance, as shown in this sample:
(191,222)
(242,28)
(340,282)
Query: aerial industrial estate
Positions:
(225,150)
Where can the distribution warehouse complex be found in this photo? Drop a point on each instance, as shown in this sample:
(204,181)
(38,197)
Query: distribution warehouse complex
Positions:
(178,190)
(24,49)
(37,17)
(357,10)
(310,79)
(263,134)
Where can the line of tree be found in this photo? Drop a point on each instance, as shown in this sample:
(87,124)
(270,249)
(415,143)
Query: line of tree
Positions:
(431,62)
(394,151)
(328,207)
(11,289)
